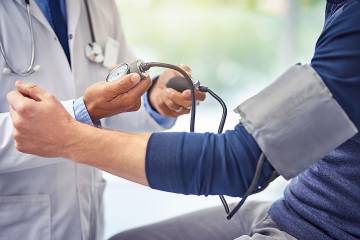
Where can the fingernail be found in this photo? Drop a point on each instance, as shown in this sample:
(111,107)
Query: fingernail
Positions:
(135,78)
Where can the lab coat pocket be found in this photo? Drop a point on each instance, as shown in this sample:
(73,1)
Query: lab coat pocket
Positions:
(25,217)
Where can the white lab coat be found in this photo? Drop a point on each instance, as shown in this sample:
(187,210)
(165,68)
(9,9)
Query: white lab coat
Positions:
(55,199)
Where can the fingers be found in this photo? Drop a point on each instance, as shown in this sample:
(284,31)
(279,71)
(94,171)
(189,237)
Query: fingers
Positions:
(200,96)
(181,99)
(31,90)
(140,89)
(18,102)
(15,117)
(125,84)
(180,102)
(172,105)
(165,110)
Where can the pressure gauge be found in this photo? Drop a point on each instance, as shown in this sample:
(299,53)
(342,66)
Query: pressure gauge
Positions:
(118,72)
(125,69)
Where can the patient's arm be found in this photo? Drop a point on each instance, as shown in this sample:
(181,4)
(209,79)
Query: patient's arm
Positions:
(177,162)
(121,154)
(201,164)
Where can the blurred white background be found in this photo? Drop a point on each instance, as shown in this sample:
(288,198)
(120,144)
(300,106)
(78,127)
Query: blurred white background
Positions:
(236,47)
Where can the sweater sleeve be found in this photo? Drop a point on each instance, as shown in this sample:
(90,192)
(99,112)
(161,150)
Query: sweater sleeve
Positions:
(337,58)
(204,164)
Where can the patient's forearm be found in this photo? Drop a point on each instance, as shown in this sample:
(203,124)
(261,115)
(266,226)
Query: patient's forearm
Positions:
(118,153)
(201,164)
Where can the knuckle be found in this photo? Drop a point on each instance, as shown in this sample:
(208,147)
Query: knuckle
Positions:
(125,83)
(23,109)
(168,103)
(136,106)
(185,112)
(202,96)
(102,89)
(16,135)
(30,91)
(172,94)
(19,146)
(8,96)
(17,125)
(188,105)
(50,96)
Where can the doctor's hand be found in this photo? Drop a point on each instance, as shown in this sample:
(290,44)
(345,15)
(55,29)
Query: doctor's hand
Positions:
(105,99)
(42,126)
(169,102)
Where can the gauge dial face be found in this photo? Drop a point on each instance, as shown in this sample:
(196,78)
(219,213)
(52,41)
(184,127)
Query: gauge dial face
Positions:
(118,72)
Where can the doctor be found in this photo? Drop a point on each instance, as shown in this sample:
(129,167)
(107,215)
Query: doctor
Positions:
(47,42)
(306,123)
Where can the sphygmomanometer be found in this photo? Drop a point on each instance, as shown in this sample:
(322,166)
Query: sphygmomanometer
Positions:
(184,83)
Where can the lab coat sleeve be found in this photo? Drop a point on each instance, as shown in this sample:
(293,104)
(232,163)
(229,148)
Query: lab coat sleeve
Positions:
(12,160)
(139,121)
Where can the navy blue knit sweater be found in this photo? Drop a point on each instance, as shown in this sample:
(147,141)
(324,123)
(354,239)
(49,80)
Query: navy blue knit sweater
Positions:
(324,201)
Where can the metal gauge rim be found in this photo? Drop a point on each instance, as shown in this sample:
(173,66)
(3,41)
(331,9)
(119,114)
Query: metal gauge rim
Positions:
(118,72)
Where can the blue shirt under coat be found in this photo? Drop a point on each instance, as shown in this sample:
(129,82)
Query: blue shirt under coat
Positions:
(56,14)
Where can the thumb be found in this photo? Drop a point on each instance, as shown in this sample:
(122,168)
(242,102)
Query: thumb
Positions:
(126,83)
(30,90)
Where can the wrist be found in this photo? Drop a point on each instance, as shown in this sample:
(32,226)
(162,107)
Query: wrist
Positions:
(74,140)
(90,107)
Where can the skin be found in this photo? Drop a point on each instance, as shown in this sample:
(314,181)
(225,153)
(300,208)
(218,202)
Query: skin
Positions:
(105,99)
(43,127)
(169,102)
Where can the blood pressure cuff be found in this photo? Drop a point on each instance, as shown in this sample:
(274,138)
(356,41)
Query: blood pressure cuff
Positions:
(296,121)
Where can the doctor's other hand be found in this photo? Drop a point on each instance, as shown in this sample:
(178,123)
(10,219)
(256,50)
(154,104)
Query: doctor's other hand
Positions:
(41,123)
(169,102)
(105,99)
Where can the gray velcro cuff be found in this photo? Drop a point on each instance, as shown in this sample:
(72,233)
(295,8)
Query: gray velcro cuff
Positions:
(296,121)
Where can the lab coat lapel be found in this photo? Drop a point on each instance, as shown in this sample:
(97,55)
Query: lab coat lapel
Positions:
(73,12)
(36,13)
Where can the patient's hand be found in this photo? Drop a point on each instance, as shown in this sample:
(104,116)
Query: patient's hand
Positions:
(42,126)
(105,99)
